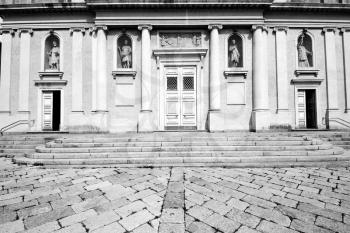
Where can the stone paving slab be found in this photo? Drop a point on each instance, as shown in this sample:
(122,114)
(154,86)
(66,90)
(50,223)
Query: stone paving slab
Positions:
(174,200)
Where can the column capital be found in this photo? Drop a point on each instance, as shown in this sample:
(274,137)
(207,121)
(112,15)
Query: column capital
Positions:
(343,30)
(329,29)
(215,26)
(262,27)
(7,31)
(97,28)
(145,26)
(25,30)
(77,29)
(280,29)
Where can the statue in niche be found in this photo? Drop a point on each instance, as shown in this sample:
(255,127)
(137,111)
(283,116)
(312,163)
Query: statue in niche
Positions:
(234,53)
(54,56)
(125,53)
(303,53)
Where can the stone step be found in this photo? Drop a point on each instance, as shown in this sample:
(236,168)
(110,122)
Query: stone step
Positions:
(254,161)
(17,150)
(42,149)
(175,139)
(14,142)
(19,146)
(200,143)
(333,151)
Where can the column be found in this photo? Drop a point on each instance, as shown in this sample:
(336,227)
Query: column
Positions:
(101,70)
(216,120)
(261,114)
(24,69)
(281,67)
(331,69)
(146,67)
(5,77)
(146,119)
(214,65)
(77,69)
(346,46)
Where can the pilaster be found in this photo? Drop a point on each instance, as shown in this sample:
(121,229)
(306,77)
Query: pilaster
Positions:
(77,69)
(146,121)
(346,46)
(260,114)
(331,69)
(24,69)
(6,57)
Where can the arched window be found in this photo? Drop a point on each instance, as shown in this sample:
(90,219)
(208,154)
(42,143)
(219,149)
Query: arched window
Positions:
(235,51)
(304,50)
(124,47)
(52,53)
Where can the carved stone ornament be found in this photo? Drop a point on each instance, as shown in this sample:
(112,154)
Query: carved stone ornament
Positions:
(180,40)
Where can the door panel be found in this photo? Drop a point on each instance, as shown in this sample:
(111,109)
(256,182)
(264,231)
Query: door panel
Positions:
(180,97)
(301,113)
(47,110)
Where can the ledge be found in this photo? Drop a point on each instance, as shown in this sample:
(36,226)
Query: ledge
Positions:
(50,74)
(313,72)
(307,80)
(50,82)
(159,52)
(236,73)
(124,73)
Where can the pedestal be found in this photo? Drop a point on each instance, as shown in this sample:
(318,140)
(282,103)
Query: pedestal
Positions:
(260,120)
(146,122)
(216,121)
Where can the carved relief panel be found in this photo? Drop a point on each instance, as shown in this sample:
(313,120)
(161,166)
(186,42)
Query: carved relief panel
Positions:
(180,40)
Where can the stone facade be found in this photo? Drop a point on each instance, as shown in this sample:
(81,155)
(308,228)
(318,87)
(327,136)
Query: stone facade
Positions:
(122,66)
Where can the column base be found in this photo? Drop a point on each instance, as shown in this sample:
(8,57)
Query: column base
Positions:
(99,121)
(260,120)
(282,121)
(216,121)
(146,122)
(333,119)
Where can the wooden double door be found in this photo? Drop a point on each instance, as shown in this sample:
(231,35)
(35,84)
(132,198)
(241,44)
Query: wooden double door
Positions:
(51,110)
(180,98)
(306,109)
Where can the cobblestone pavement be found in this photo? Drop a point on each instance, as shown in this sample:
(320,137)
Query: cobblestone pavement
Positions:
(174,200)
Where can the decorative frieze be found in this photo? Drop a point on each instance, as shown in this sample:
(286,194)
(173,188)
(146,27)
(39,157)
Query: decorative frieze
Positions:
(180,40)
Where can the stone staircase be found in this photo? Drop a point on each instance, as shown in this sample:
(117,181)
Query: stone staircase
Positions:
(187,149)
(20,144)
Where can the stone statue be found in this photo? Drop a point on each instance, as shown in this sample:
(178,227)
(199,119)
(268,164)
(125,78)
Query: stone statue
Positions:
(303,53)
(125,53)
(234,53)
(54,56)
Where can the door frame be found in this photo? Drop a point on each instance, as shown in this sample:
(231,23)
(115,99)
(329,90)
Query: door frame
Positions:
(162,91)
(317,97)
(40,107)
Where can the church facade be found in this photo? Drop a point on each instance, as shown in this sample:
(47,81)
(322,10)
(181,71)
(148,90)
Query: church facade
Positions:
(156,65)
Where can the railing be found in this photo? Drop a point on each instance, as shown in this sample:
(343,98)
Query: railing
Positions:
(15,124)
(340,121)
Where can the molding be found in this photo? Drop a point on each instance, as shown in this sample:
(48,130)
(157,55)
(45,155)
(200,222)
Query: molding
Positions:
(313,72)
(25,30)
(98,27)
(7,30)
(280,28)
(145,26)
(215,26)
(181,51)
(344,30)
(262,27)
(123,73)
(228,73)
(329,29)
(77,29)
(50,82)
(305,81)
(50,74)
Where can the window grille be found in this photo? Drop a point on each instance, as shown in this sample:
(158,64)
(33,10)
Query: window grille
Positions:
(172,83)
(188,83)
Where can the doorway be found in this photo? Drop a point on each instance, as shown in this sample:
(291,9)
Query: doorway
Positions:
(180,98)
(51,110)
(307,111)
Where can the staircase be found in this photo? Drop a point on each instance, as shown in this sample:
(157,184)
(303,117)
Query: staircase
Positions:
(17,145)
(187,149)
